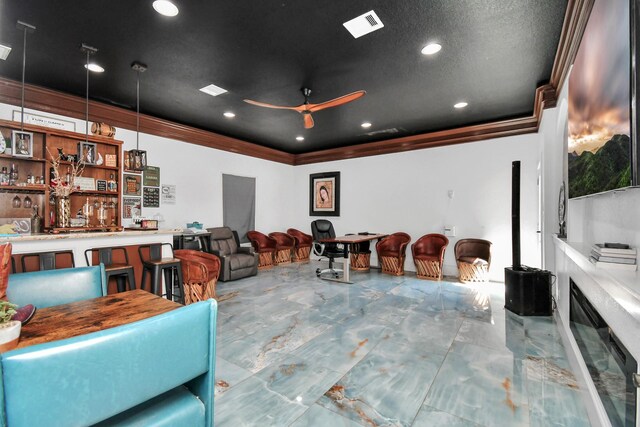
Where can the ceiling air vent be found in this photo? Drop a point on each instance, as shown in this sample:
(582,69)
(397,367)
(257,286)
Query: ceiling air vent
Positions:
(363,24)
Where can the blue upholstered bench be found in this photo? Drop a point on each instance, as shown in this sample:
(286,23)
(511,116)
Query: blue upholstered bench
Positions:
(155,372)
(47,288)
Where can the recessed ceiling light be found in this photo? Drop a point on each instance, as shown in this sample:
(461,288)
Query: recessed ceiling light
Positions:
(299,138)
(460,105)
(431,48)
(366,125)
(165,7)
(94,67)
(213,90)
(4,51)
(229,114)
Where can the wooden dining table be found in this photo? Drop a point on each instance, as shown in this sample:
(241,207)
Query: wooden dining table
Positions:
(347,241)
(92,315)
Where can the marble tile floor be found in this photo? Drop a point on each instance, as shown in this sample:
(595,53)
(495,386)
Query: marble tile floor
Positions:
(294,350)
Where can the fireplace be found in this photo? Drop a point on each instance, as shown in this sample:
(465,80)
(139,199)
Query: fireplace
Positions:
(609,363)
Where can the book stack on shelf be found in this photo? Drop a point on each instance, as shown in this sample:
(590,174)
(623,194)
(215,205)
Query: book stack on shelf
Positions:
(614,256)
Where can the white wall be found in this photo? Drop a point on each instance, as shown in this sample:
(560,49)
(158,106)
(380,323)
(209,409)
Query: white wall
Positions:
(408,192)
(197,173)
(396,192)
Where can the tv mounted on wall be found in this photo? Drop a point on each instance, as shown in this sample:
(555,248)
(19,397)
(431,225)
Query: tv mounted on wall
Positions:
(602,115)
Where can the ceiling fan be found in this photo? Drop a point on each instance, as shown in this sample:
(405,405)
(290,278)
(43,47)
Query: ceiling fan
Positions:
(306,108)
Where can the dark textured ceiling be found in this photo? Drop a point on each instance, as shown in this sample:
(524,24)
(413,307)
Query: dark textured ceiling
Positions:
(495,54)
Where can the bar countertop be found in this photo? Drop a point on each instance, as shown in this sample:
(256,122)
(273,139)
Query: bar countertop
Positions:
(84,235)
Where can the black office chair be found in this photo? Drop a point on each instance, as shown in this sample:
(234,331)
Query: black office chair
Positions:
(323,229)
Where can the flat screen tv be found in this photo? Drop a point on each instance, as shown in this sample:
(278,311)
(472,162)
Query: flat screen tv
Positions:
(602,153)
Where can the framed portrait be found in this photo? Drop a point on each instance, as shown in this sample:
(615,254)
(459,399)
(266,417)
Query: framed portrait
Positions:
(22,143)
(324,194)
(87,152)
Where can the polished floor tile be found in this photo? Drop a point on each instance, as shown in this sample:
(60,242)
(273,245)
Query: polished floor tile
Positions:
(294,350)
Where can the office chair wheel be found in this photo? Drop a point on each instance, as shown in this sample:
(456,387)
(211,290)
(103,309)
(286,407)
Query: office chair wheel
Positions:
(318,272)
(336,275)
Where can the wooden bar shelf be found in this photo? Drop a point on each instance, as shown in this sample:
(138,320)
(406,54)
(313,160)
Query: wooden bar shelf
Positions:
(48,142)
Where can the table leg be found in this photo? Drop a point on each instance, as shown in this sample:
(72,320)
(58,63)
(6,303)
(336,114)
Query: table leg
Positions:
(345,264)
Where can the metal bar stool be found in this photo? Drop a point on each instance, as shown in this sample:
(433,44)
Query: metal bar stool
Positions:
(123,273)
(155,265)
(46,260)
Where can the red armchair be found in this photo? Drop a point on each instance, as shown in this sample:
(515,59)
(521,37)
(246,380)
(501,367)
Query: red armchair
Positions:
(391,253)
(302,246)
(473,257)
(200,272)
(428,256)
(265,247)
(284,247)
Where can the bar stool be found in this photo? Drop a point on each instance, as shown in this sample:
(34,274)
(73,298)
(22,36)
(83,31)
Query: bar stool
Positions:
(123,273)
(155,264)
(46,260)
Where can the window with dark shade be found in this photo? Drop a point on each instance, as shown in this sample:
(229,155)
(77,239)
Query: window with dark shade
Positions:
(239,204)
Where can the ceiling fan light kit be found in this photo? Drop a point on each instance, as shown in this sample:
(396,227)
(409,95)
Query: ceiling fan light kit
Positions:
(307,108)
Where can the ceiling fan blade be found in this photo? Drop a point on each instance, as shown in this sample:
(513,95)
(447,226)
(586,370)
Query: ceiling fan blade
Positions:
(263,104)
(308,121)
(337,101)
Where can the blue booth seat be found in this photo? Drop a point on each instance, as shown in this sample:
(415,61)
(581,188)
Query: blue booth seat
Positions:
(155,372)
(54,287)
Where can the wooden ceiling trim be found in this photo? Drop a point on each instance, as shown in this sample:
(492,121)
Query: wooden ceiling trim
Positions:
(54,102)
(575,21)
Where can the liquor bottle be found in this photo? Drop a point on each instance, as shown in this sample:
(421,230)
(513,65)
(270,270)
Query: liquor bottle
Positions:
(13,176)
(4,176)
(36,221)
(68,177)
(111,184)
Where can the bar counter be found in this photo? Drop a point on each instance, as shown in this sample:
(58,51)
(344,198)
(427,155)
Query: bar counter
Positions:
(78,242)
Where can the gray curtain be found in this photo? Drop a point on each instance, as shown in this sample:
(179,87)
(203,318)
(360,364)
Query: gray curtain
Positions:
(239,204)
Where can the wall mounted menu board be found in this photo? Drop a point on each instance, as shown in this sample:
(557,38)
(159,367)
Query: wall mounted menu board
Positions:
(151,197)
(151,176)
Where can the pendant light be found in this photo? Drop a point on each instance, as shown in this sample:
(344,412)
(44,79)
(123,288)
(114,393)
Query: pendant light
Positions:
(26,28)
(138,157)
(89,51)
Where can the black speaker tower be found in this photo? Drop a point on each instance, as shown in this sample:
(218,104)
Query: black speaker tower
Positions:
(527,291)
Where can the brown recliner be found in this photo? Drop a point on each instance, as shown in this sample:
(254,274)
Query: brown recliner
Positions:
(285,244)
(236,262)
(200,271)
(265,246)
(302,245)
(473,257)
(428,255)
(392,253)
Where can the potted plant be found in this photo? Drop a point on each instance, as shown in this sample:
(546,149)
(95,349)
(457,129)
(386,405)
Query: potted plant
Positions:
(9,329)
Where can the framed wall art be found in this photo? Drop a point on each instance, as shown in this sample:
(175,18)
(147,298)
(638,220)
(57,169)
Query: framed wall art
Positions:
(324,194)
(132,185)
(22,143)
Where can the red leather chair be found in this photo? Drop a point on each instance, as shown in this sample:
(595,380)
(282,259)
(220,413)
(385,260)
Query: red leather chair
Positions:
(284,248)
(265,247)
(428,255)
(473,257)
(200,271)
(302,246)
(391,253)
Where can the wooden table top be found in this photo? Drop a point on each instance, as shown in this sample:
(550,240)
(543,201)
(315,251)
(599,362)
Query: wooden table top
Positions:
(354,238)
(93,315)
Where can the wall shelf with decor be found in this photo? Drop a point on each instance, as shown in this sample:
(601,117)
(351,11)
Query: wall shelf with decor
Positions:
(34,159)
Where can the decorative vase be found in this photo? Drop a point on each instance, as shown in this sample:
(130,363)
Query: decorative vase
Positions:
(9,335)
(63,212)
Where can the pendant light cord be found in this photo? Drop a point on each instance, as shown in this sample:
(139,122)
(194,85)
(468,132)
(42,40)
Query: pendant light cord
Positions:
(26,28)
(137,109)
(24,66)
(86,128)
